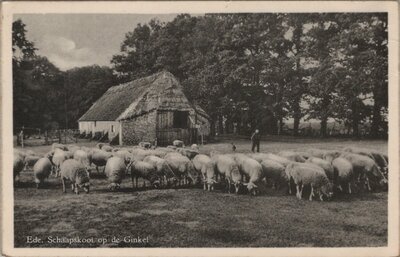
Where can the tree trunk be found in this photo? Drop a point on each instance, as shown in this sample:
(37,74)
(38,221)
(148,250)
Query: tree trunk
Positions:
(355,119)
(376,117)
(296,116)
(220,125)
(324,125)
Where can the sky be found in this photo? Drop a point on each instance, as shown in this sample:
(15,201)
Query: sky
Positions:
(76,40)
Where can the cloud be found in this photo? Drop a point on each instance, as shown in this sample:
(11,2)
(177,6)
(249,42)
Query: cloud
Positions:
(64,53)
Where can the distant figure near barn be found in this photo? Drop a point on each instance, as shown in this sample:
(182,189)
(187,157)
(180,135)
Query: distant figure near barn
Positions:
(150,109)
(255,140)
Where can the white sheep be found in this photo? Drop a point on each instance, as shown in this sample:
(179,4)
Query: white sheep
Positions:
(146,171)
(125,155)
(251,169)
(18,164)
(178,143)
(145,145)
(365,169)
(327,166)
(30,160)
(292,156)
(55,146)
(99,158)
(343,170)
(378,157)
(77,174)
(203,164)
(309,174)
(115,171)
(228,169)
(187,152)
(331,155)
(107,148)
(41,170)
(279,159)
(182,167)
(83,157)
(164,171)
(58,158)
(275,172)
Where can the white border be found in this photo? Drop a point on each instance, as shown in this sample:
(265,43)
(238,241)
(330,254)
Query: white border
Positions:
(9,8)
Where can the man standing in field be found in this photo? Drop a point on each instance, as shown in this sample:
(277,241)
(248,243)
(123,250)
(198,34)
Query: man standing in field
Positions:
(255,139)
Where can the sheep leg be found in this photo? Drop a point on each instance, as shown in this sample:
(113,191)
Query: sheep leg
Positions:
(133,182)
(229,186)
(73,187)
(97,169)
(312,193)
(137,178)
(298,191)
(368,185)
(63,184)
(349,187)
(76,189)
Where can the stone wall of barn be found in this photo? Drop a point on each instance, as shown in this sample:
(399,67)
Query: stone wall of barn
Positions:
(140,129)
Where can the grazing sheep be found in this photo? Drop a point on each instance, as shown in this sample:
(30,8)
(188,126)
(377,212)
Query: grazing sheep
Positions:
(227,168)
(178,143)
(115,171)
(100,145)
(41,170)
(30,160)
(99,158)
(58,158)
(194,147)
(146,171)
(18,164)
(203,164)
(138,154)
(83,157)
(73,148)
(145,145)
(164,171)
(171,147)
(292,156)
(107,148)
(187,152)
(343,170)
(259,156)
(182,167)
(55,146)
(308,174)
(279,159)
(125,155)
(327,166)
(251,169)
(76,173)
(378,157)
(319,153)
(275,172)
(329,156)
(365,168)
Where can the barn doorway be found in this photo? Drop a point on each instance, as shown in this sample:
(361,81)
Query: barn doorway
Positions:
(181,119)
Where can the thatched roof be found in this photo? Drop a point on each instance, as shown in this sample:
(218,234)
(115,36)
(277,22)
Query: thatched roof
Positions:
(160,91)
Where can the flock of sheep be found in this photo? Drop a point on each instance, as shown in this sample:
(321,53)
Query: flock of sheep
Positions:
(325,172)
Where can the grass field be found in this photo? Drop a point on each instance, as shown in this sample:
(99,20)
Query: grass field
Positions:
(190,217)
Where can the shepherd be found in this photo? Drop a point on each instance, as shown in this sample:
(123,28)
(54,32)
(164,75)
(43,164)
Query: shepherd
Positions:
(255,139)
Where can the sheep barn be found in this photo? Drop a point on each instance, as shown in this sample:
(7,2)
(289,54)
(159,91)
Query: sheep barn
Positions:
(152,109)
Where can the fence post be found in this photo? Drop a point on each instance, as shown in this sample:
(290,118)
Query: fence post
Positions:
(21,134)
